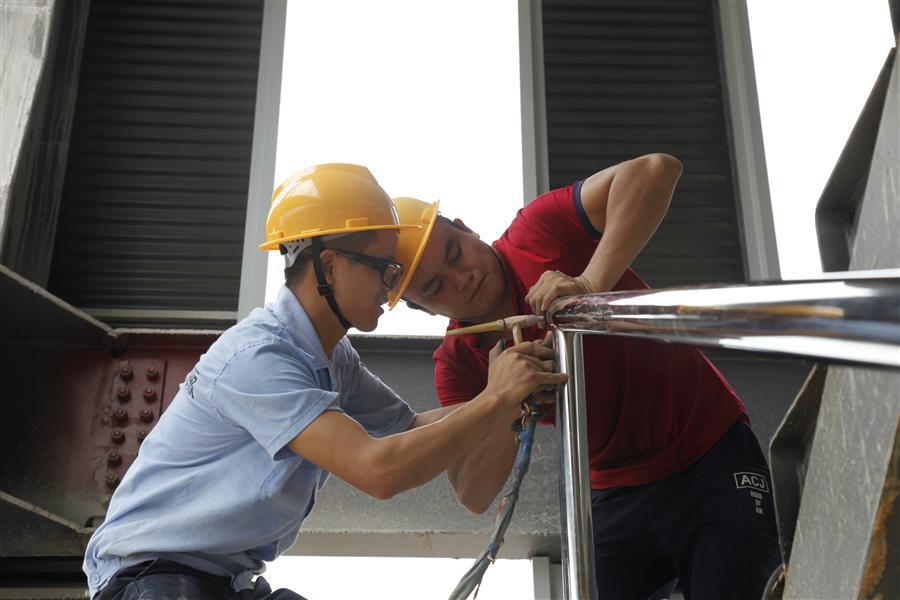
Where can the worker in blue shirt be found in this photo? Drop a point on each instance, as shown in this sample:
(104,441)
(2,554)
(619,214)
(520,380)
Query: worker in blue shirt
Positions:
(225,480)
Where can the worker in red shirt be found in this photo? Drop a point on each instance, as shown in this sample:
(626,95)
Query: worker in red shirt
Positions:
(669,440)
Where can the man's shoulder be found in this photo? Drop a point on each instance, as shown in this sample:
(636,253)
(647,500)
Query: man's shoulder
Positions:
(551,218)
(460,354)
(453,346)
(260,328)
(345,356)
(252,343)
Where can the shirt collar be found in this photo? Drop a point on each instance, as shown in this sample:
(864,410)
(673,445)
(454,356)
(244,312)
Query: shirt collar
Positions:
(292,314)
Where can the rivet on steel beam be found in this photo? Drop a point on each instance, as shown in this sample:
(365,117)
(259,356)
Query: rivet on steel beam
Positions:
(142,434)
(123,394)
(152,373)
(146,415)
(113,458)
(125,371)
(149,394)
(112,480)
(118,436)
(120,415)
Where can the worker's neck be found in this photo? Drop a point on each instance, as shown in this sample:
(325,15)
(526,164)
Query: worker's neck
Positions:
(328,328)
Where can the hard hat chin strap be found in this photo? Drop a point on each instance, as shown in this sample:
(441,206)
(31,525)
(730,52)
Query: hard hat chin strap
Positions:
(323,287)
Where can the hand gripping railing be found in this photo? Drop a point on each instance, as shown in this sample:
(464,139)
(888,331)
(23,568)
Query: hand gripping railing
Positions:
(850,318)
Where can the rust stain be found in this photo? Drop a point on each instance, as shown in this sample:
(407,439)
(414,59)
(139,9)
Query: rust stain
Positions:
(877,560)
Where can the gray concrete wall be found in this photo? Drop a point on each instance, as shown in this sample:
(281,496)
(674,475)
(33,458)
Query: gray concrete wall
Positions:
(876,244)
(24,36)
(40,62)
(859,415)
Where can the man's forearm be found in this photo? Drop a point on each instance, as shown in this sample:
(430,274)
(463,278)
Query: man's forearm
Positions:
(478,476)
(411,458)
(418,455)
(430,416)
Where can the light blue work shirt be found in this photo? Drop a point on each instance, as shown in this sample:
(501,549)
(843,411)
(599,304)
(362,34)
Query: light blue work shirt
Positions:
(214,486)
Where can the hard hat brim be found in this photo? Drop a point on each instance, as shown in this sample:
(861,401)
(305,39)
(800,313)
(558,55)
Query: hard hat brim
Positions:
(409,271)
(273,244)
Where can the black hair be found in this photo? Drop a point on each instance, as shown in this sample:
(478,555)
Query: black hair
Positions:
(447,221)
(415,306)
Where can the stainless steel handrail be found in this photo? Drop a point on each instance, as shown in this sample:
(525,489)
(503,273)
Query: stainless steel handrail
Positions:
(851,318)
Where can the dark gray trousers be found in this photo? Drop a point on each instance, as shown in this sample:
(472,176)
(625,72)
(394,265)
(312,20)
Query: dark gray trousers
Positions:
(167,580)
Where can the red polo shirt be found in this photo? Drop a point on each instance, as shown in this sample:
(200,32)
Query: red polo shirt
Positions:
(653,407)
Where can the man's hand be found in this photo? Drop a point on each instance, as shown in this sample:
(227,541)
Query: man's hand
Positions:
(518,371)
(553,285)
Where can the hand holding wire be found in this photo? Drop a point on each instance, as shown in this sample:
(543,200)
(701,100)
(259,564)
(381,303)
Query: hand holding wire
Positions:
(517,372)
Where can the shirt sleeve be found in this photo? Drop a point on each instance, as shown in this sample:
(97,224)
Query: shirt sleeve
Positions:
(271,394)
(373,404)
(559,215)
(553,232)
(546,235)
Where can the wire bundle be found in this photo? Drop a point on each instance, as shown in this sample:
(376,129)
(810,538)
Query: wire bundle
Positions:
(524,428)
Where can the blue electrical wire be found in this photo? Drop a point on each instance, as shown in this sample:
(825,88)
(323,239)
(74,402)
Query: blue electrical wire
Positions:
(524,429)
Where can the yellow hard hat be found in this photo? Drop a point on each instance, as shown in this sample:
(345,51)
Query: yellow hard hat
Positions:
(325,200)
(412,242)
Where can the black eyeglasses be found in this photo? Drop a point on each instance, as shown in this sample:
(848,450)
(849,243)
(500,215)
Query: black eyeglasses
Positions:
(390,270)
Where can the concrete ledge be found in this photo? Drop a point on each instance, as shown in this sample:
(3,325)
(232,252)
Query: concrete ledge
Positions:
(435,545)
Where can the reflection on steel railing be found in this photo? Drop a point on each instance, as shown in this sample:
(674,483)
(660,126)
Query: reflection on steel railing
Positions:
(576,522)
(848,318)
(855,319)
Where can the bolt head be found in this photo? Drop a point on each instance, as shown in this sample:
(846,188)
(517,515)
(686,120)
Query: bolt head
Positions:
(123,394)
(152,373)
(142,434)
(112,480)
(146,415)
(125,371)
(113,458)
(118,436)
(149,394)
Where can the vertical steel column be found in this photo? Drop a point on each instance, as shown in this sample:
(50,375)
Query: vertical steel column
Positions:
(576,530)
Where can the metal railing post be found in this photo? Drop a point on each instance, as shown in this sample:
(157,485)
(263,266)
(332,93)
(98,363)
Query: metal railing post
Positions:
(576,529)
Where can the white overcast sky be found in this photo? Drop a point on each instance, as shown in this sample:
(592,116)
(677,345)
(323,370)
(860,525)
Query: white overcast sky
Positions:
(421,93)
(816,62)
(426,94)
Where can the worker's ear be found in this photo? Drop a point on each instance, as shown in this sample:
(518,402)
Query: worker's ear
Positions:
(327,257)
(460,225)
